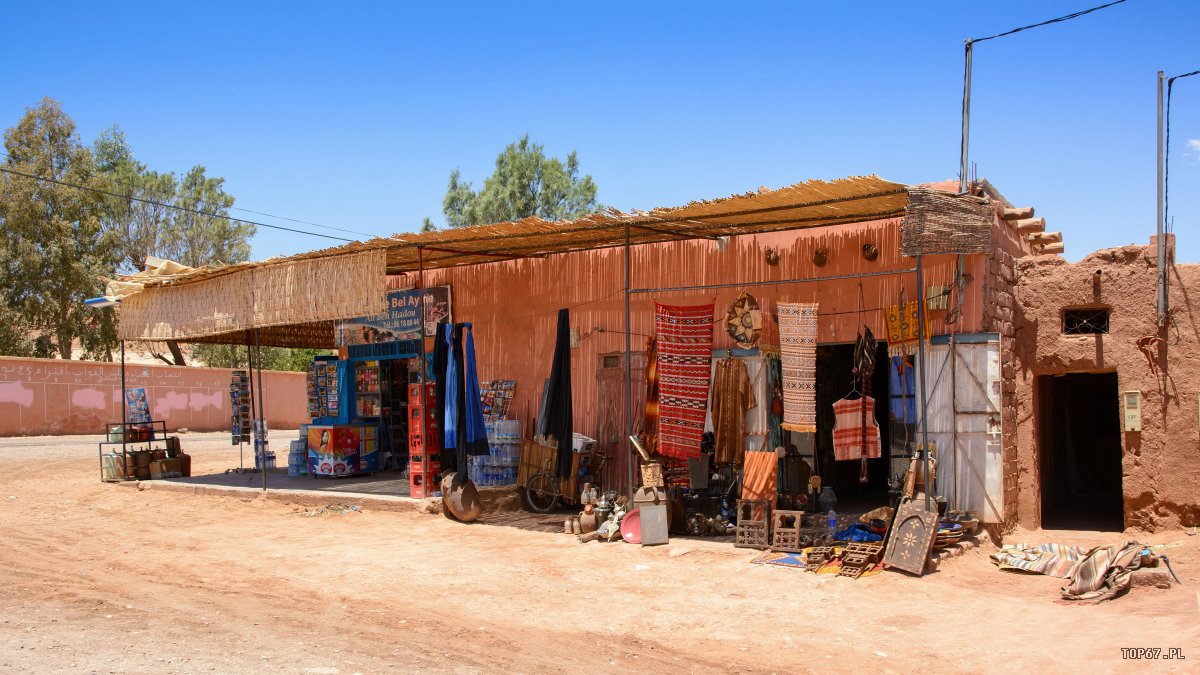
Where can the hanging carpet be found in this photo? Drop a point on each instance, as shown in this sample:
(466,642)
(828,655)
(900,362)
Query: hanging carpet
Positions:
(685,341)
(559,411)
(902,323)
(798,354)
(732,398)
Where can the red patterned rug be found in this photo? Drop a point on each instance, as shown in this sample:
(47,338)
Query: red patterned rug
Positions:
(685,339)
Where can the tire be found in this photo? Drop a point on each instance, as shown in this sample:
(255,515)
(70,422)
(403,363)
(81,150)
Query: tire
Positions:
(539,495)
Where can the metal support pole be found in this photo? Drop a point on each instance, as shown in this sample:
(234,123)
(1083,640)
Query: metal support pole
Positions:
(124,419)
(250,391)
(966,119)
(921,372)
(262,413)
(422,398)
(628,366)
(1161,243)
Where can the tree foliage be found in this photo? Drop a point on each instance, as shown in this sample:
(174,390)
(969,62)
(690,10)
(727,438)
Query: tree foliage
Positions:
(524,183)
(273,358)
(198,233)
(53,248)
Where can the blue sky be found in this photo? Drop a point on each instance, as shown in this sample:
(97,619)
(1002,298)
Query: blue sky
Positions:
(354,116)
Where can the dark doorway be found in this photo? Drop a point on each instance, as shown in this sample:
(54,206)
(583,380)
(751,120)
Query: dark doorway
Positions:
(835,381)
(1080,452)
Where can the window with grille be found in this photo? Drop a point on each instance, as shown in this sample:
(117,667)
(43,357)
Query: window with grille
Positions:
(1085,321)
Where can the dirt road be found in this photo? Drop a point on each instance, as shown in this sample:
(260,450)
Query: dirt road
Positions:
(108,578)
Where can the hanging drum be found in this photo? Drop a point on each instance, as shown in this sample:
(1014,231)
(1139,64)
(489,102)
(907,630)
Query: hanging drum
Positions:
(743,321)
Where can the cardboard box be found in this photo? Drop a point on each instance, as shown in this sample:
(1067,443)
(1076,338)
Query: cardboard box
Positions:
(165,468)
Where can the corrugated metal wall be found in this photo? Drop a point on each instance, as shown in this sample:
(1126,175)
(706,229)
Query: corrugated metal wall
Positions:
(514,304)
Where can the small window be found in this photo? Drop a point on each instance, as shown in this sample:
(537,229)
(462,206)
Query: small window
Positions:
(610,361)
(1085,321)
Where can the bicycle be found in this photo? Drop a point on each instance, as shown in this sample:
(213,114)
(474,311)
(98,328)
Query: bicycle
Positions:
(543,490)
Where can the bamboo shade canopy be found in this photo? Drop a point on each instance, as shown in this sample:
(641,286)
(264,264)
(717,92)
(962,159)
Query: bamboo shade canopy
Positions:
(814,203)
(303,295)
(221,303)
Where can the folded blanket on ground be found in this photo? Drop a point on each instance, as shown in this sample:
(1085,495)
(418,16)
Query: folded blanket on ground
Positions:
(1107,571)
(1055,560)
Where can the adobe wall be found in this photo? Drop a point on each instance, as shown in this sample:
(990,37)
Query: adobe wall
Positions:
(1000,316)
(54,397)
(1161,464)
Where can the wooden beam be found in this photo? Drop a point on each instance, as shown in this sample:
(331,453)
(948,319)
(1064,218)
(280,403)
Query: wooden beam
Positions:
(1029,225)
(1044,237)
(1018,214)
(1048,249)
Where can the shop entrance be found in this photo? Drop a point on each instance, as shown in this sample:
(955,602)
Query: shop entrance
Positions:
(835,381)
(1080,446)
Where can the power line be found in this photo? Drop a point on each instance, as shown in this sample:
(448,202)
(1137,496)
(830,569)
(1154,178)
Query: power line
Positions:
(302,222)
(1068,17)
(171,206)
(1167,151)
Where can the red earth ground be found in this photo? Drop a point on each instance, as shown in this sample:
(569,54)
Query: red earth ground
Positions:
(112,578)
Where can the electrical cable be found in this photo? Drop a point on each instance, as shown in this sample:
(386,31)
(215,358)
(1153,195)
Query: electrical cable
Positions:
(303,222)
(170,206)
(1068,17)
(1167,152)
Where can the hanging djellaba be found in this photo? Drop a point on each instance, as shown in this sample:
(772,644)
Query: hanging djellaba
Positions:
(744,321)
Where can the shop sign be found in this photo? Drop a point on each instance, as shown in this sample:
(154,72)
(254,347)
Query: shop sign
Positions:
(401,320)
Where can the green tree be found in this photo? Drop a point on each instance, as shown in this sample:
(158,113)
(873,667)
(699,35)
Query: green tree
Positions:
(53,249)
(140,228)
(525,183)
(14,334)
(273,358)
(195,239)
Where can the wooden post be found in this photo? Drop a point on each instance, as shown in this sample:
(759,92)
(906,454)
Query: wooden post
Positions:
(1048,249)
(1018,213)
(1029,225)
(1044,238)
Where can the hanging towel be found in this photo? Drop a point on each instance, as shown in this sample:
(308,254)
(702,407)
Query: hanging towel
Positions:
(852,440)
(559,421)
(798,353)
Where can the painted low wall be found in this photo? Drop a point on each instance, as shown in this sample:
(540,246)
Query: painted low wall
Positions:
(55,397)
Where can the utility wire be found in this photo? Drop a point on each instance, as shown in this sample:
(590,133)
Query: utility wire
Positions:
(302,222)
(170,206)
(1068,17)
(1167,152)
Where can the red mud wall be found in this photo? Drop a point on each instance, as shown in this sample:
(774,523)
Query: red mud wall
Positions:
(53,397)
(514,304)
(1161,464)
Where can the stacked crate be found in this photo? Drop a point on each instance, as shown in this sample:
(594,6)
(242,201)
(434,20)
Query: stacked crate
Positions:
(422,442)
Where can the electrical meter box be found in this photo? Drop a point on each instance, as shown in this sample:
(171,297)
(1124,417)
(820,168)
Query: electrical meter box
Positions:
(1132,405)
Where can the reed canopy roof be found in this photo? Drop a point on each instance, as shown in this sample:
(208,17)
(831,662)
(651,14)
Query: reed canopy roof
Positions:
(815,203)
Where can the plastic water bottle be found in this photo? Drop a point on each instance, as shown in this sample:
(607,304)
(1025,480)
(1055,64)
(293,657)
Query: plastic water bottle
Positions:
(832,522)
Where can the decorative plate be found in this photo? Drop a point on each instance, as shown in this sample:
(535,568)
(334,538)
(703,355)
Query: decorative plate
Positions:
(743,321)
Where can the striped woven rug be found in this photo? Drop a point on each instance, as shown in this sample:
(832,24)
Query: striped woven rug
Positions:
(798,354)
(685,342)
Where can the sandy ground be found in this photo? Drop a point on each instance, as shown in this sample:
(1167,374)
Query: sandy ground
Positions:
(109,578)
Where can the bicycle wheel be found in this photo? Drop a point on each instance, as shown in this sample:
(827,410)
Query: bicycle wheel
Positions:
(540,495)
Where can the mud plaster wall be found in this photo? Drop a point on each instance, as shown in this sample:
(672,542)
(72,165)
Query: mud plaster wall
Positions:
(52,397)
(1161,464)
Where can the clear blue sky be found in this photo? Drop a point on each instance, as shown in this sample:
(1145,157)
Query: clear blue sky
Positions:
(354,114)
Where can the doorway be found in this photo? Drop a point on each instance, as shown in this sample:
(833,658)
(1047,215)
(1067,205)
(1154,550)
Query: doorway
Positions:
(1080,448)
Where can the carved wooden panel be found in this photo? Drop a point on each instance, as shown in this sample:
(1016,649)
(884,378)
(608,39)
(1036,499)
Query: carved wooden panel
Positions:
(911,538)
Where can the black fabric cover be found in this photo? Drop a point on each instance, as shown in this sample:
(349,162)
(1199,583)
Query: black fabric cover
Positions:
(559,412)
